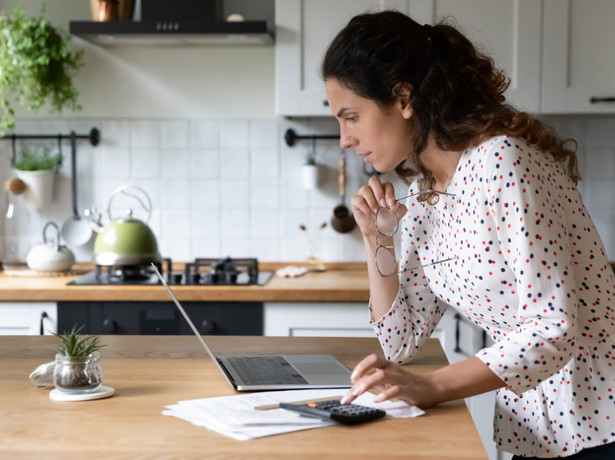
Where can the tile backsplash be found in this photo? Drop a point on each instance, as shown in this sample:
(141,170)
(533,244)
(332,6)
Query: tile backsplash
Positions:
(233,187)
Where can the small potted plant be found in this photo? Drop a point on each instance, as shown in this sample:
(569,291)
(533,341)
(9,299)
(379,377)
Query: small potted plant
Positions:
(310,170)
(37,66)
(37,168)
(78,368)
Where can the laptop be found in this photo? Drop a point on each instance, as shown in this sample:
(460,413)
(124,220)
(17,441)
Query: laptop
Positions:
(282,372)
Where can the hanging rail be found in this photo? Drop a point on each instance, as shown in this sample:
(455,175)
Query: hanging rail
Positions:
(291,137)
(93,136)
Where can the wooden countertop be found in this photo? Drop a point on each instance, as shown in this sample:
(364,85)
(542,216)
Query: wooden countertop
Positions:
(150,372)
(341,282)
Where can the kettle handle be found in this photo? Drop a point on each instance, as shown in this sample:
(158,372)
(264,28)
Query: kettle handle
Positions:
(123,190)
(52,224)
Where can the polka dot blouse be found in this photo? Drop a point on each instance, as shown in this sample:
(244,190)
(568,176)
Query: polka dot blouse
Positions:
(531,271)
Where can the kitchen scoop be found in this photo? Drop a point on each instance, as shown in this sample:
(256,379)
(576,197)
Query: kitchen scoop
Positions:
(342,220)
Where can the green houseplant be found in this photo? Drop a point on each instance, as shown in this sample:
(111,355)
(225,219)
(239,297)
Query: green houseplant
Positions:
(37,159)
(37,65)
(78,368)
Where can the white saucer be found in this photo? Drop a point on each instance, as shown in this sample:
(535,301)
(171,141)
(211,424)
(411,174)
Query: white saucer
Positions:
(102,392)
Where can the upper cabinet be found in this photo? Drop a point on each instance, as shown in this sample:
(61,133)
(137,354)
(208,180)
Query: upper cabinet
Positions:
(579,57)
(304,29)
(507,31)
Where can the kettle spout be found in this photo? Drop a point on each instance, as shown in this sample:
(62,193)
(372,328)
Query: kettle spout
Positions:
(94,219)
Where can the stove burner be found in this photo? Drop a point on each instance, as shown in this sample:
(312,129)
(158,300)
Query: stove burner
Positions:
(204,272)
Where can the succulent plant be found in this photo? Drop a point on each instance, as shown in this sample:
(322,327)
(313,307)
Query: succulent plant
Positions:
(75,345)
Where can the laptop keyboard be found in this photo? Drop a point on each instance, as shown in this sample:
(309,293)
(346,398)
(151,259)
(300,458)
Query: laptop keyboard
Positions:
(265,371)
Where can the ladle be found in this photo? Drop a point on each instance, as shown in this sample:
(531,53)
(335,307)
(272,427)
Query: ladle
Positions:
(342,220)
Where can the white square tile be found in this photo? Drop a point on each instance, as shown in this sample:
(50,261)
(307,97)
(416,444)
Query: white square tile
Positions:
(266,249)
(600,132)
(264,164)
(174,134)
(208,248)
(264,194)
(204,164)
(205,134)
(264,134)
(235,223)
(176,248)
(145,134)
(115,163)
(234,134)
(175,223)
(175,164)
(176,194)
(237,248)
(115,133)
(204,194)
(292,250)
(205,223)
(601,164)
(265,223)
(234,164)
(600,194)
(234,194)
(292,220)
(145,163)
(293,195)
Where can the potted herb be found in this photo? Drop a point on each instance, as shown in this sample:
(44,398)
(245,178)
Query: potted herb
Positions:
(310,170)
(37,167)
(78,368)
(37,66)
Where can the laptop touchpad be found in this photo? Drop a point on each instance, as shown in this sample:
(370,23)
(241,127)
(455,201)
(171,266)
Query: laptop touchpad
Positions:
(319,370)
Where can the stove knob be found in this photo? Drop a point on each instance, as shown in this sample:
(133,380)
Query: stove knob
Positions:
(196,277)
(109,326)
(177,278)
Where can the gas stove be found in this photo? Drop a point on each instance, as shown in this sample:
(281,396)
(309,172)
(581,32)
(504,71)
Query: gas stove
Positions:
(201,272)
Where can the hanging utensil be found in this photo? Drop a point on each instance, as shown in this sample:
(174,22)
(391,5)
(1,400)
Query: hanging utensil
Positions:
(342,220)
(75,230)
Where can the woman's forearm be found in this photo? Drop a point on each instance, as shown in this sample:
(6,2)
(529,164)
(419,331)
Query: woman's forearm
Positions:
(383,289)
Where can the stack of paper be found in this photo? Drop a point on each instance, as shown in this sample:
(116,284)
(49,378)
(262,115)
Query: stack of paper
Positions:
(236,416)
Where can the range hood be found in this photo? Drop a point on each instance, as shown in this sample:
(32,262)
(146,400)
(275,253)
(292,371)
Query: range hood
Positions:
(174,33)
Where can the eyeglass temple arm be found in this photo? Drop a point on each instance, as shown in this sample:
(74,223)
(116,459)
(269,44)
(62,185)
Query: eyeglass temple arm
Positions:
(430,264)
(424,191)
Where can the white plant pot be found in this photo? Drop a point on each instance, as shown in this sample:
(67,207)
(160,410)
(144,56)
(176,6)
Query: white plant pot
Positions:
(39,191)
(311,176)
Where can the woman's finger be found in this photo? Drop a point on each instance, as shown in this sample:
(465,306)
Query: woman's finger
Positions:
(388,393)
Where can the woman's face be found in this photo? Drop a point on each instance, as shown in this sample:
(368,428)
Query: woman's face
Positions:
(381,136)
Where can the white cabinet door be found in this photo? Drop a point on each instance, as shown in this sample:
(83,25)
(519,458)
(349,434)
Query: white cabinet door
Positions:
(28,318)
(317,320)
(508,31)
(304,29)
(579,56)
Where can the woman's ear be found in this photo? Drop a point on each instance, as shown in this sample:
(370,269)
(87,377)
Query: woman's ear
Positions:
(402,92)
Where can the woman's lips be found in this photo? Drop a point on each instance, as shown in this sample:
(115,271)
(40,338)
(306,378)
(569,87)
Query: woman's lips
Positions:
(365,156)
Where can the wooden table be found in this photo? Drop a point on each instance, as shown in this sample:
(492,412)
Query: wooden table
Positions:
(149,372)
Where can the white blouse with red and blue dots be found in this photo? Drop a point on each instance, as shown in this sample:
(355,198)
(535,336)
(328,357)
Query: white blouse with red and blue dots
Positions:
(530,269)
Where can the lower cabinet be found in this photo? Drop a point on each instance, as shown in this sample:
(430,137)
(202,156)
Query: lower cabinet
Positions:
(28,318)
(317,320)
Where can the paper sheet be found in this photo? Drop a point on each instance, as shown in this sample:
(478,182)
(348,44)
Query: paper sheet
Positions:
(236,417)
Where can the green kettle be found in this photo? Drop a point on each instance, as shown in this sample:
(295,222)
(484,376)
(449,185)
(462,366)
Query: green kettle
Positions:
(126,240)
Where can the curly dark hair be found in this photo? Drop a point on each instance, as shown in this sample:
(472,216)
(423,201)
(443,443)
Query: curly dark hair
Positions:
(457,93)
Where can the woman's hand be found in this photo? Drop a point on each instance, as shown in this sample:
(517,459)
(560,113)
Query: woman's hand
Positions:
(369,199)
(393,382)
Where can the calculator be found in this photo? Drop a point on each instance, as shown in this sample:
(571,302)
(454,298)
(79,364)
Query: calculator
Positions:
(348,414)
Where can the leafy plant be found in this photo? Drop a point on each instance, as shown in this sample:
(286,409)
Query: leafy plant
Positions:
(41,159)
(36,65)
(75,345)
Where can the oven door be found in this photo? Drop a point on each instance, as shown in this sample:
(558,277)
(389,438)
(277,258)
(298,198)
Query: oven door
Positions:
(161,318)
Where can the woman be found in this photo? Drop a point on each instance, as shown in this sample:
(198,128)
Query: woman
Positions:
(493,227)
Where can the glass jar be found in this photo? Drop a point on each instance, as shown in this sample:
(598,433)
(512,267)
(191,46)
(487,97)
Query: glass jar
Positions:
(78,375)
(15,230)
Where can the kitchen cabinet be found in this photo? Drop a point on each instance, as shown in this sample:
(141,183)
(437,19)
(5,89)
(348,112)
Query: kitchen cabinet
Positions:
(28,318)
(303,31)
(322,319)
(578,56)
(507,31)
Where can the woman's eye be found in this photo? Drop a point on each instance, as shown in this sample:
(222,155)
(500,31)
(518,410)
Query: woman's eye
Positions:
(351,118)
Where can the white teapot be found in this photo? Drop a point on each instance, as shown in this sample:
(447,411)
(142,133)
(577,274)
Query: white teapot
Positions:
(50,256)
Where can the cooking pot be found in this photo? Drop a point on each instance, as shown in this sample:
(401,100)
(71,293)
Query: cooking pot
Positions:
(126,240)
(50,256)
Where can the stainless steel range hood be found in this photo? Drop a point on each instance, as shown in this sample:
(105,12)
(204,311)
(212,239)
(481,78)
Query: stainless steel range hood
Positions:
(174,33)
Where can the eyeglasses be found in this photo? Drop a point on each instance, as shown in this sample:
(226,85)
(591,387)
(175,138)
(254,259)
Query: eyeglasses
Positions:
(387,224)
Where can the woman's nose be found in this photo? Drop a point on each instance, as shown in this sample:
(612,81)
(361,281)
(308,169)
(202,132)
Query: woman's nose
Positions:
(346,141)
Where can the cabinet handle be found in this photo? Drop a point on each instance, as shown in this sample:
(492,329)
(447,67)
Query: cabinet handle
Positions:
(457,333)
(325,103)
(208,326)
(596,100)
(41,328)
(109,326)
